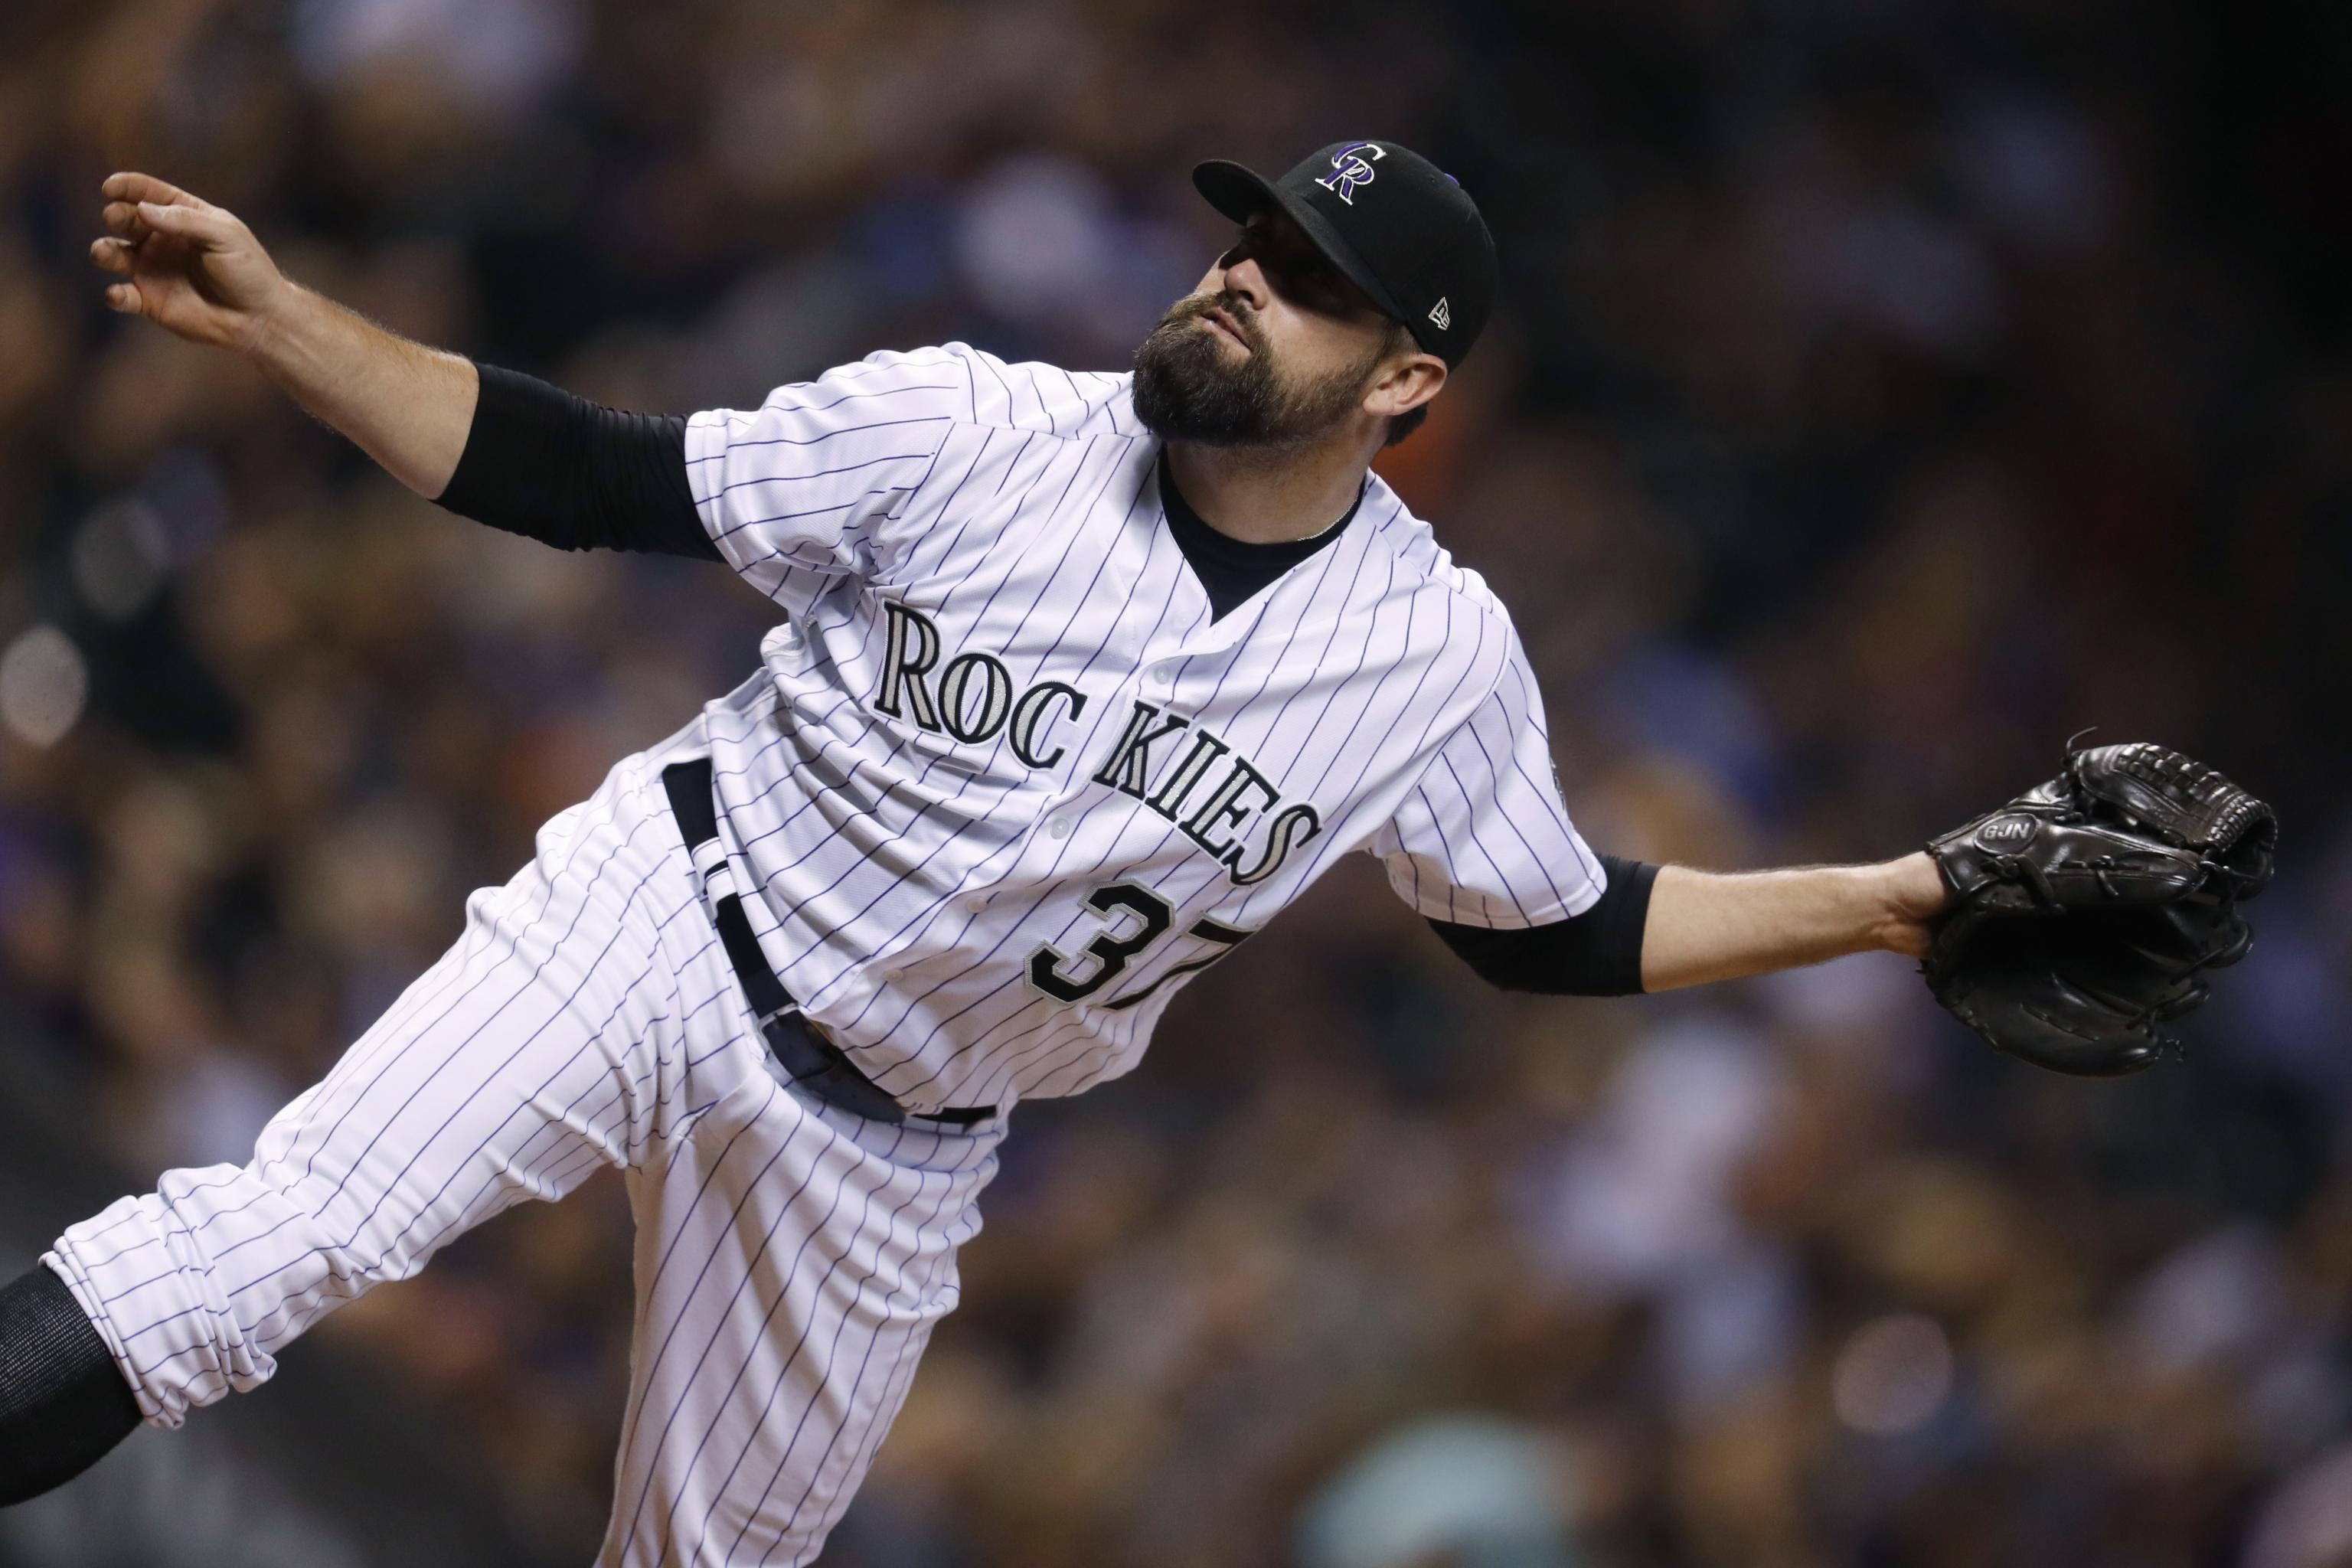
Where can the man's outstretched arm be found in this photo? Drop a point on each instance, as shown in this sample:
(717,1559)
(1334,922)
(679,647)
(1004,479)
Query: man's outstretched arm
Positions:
(490,444)
(1706,926)
(1659,927)
(196,270)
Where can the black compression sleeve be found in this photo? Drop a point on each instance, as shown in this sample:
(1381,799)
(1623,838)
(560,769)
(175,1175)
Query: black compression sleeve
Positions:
(63,1404)
(1596,954)
(574,474)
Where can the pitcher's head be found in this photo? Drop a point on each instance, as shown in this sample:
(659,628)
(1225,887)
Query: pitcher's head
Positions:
(1357,282)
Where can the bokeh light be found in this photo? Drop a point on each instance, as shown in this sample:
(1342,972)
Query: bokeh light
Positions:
(44,682)
(1893,1375)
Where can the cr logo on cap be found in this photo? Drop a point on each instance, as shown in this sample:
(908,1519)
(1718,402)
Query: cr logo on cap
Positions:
(1350,168)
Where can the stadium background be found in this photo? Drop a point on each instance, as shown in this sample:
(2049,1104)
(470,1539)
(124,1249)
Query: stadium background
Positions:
(1884,390)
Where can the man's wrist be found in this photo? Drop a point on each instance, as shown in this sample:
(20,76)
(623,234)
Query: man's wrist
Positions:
(272,341)
(1910,893)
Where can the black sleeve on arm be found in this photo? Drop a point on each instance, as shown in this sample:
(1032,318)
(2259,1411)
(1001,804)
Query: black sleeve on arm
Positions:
(63,1403)
(1596,954)
(574,474)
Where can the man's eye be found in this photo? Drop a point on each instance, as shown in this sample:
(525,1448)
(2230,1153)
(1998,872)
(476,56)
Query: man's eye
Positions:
(1303,279)
(1307,279)
(1318,287)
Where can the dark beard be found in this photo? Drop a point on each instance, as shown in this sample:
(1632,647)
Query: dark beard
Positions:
(1184,390)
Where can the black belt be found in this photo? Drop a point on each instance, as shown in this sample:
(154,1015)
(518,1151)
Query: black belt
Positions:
(815,1063)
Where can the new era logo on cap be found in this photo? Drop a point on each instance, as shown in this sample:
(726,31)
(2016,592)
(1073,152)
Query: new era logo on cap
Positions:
(1441,315)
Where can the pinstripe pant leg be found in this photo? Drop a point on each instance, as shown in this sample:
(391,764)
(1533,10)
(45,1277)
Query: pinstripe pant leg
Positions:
(555,1035)
(792,1259)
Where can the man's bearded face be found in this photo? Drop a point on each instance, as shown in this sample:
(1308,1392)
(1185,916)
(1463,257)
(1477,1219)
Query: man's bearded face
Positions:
(1192,383)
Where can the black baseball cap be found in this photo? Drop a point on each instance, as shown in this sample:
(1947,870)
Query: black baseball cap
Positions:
(1401,229)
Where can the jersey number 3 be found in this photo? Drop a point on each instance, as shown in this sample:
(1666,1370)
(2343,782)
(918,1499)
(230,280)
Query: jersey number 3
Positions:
(1112,950)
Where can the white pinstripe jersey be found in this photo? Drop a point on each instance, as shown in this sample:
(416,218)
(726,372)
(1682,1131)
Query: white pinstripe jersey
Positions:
(1004,782)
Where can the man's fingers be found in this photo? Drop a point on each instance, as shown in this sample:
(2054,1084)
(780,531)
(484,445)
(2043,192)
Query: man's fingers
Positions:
(206,226)
(114,255)
(121,220)
(136,187)
(123,298)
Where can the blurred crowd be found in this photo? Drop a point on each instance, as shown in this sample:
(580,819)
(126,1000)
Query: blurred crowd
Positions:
(1882,393)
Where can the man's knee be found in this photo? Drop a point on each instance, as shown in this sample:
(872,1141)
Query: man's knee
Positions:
(63,1403)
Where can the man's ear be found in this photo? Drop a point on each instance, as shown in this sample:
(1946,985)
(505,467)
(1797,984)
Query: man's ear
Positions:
(1403,384)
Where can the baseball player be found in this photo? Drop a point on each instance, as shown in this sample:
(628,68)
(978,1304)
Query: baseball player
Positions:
(1081,678)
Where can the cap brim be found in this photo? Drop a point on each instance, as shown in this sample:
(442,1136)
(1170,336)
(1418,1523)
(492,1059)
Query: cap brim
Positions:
(1242,193)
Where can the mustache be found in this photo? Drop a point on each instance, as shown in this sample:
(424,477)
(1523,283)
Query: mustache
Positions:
(1197,306)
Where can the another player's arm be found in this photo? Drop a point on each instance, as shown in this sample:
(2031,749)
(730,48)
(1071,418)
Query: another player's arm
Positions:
(494,445)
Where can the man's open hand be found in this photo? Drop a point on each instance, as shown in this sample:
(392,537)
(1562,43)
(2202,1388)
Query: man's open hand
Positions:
(198,271)
(188,265)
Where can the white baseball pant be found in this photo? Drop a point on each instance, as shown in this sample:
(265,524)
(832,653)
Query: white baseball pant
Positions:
(791,1258)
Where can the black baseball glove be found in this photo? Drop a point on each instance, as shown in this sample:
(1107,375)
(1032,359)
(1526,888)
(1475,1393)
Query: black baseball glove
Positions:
(2084,911)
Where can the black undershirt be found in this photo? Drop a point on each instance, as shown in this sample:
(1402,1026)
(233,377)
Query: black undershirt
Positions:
(64,1404)
(555,467)
(1596,954)
(574,474)
(1233,570)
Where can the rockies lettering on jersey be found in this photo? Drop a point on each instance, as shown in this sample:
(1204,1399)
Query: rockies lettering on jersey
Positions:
(913,647)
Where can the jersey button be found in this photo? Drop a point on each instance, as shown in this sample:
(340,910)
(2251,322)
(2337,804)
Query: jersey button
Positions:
(1059,826)
(974,902)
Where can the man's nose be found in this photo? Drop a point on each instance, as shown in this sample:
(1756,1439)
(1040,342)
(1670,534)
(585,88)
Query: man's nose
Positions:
(1247,280)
